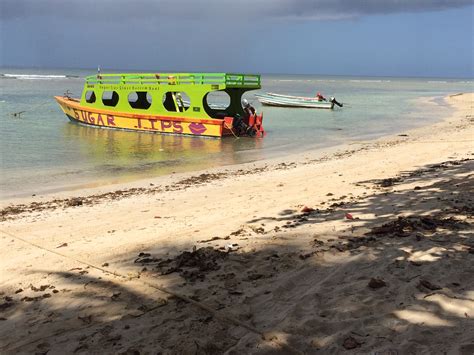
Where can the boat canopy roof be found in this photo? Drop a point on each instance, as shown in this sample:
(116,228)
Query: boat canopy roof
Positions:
(228,80)
(176,94)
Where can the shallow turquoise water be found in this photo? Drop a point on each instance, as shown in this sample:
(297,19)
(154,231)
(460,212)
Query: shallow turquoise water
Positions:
(42,151)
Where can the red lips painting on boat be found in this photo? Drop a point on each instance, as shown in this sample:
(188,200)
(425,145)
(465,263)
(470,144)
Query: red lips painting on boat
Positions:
(197,128)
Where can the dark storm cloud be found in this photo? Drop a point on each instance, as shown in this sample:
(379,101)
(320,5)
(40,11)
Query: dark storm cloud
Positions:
(351,8)
(229,10)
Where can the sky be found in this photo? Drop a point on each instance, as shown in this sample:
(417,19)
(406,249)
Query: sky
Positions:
(420,38)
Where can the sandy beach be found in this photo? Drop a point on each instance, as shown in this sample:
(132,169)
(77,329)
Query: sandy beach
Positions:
(363,248)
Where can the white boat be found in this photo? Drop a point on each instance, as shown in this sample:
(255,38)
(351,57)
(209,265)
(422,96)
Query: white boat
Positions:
(272,99)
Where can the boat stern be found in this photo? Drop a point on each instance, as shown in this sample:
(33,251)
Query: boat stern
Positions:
(244,127)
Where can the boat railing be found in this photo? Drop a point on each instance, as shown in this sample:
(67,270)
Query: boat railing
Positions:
(229,79)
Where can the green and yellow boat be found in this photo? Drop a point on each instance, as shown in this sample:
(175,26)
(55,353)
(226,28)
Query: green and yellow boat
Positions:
(169,103)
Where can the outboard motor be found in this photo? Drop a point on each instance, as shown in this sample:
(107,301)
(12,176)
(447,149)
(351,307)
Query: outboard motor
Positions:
(334,101)
(239,126)
(251,132)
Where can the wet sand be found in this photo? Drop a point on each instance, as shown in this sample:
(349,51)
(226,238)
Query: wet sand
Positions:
(364,248)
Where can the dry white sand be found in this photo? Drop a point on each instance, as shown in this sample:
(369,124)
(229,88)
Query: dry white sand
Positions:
(368,248)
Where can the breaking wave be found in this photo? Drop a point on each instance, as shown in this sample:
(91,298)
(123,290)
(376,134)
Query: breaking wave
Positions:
(369,81)
(35,76)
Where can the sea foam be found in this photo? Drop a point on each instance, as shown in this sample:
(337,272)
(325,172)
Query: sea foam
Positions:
(35,76)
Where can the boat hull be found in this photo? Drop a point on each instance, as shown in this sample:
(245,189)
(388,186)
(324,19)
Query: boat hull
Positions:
(293,101)
(140,122)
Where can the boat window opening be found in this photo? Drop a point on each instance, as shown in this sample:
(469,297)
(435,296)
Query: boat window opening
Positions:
(219,100)
(110,98)
(217,104)
(176,101)
(90,97)
(140,100)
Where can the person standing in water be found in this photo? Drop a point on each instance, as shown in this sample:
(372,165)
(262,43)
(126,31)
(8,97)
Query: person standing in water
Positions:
(249,110)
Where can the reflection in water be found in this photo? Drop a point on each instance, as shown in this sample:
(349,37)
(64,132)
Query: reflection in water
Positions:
(144,154)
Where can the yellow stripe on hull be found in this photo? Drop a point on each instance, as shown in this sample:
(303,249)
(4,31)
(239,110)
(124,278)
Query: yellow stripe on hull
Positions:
(145,123)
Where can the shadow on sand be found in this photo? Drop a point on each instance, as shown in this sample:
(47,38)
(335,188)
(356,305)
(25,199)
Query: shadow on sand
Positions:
(396,278)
